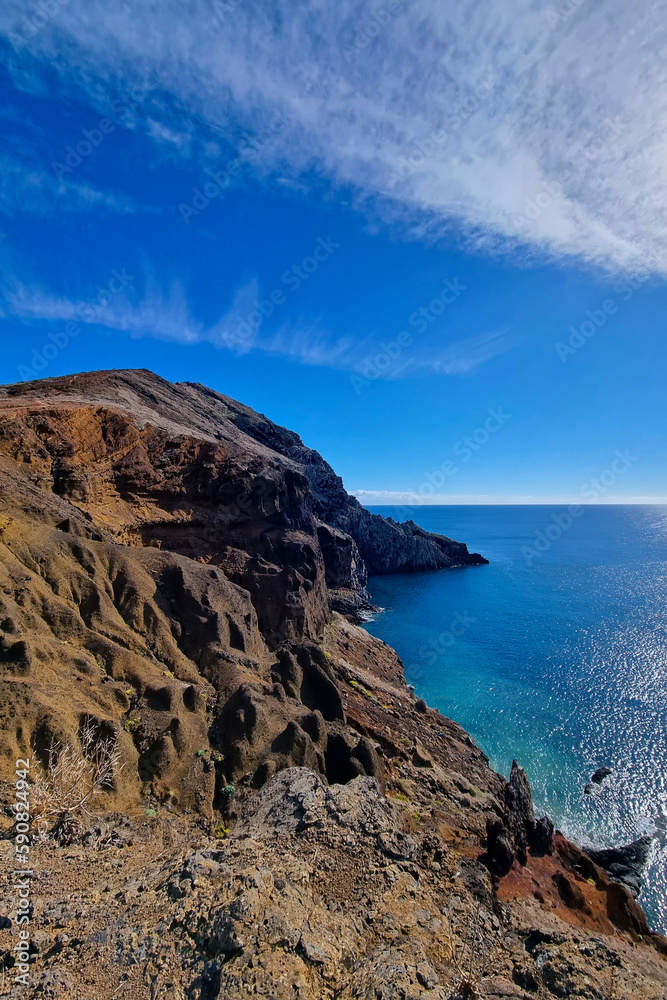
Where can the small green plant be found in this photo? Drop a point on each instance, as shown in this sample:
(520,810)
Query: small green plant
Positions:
(150,811)
(167,673)
(131,724)
(401,797)
(130,692)
(221,831)
(359,687)
(200,753)
(227,791)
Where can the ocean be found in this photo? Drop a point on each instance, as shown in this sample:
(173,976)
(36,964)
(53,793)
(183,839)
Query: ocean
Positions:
(554,654)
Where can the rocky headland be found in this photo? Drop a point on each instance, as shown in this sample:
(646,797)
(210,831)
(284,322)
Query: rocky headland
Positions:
(181,578)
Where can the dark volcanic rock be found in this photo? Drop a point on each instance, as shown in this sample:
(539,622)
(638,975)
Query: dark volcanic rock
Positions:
(247,480)
(169,561)
(195,552)
(510,838)
(385,545)
(625,864)
(598,776)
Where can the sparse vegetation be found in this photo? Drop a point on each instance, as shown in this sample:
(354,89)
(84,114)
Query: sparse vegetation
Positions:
(75,774)
(359,687)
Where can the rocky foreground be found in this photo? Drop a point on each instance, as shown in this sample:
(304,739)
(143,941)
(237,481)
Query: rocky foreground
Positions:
(286,819)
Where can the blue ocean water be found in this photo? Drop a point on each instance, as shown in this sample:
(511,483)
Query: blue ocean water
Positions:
(557,658)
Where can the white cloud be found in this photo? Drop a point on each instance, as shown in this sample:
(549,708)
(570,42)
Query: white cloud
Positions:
(515,123)
(168,315)
(158,314)
(461,357)
(25,188)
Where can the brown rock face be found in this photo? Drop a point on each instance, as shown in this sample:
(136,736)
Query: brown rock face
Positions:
(171,567)
(166,577)
(206,500)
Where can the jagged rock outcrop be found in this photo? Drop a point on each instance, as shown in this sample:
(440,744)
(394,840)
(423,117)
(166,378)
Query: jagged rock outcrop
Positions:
(385,545)
(203,432)
(317,892)
(170,562)
(170,566)
(510,835)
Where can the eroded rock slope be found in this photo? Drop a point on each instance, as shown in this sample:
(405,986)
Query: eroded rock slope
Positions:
(289,819)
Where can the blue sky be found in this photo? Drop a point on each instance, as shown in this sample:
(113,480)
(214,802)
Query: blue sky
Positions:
(431,242)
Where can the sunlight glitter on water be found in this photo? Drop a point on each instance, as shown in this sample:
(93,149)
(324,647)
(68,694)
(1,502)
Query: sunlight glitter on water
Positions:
(564,665)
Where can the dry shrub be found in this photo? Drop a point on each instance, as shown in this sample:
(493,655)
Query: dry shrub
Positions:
(75,774)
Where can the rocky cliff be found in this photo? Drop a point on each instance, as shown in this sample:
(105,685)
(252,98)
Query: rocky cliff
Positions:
(171,559)
(285,818)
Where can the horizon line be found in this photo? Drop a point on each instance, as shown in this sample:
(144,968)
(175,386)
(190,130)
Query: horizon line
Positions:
(383,501)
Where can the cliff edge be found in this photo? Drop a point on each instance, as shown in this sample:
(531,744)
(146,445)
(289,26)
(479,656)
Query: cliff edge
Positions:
(283,817)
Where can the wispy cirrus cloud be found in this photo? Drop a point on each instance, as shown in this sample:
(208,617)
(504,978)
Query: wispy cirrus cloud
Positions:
(530,125)
(31,189)
(311,345)
(159,314)
(168,315)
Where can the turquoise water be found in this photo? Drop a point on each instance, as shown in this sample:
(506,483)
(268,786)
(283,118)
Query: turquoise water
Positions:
(557,658)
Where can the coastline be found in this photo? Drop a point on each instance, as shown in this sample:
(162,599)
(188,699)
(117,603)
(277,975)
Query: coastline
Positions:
(286,805)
